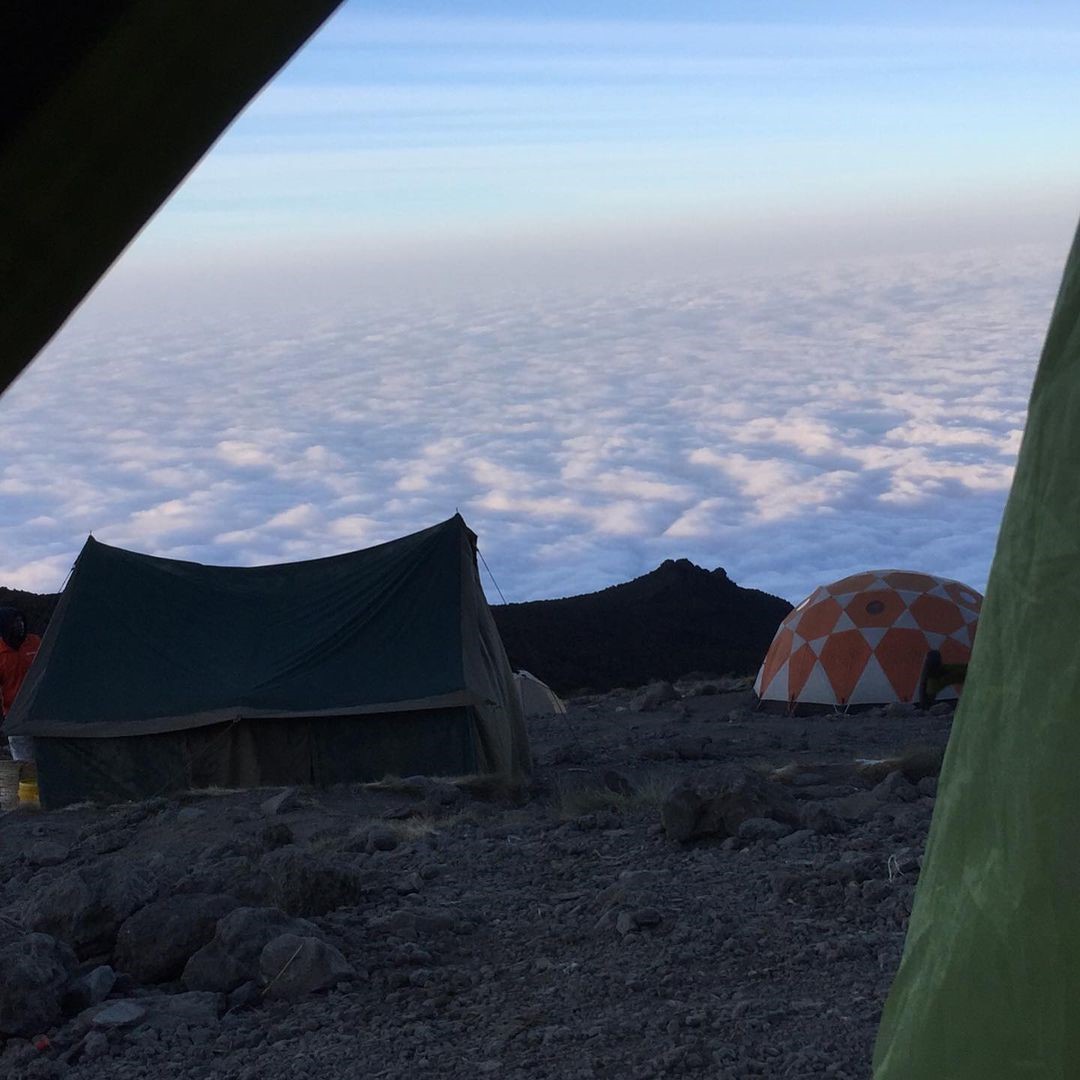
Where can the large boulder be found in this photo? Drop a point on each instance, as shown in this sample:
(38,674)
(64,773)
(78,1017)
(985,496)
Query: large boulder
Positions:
(293,967)
(231,957)
(229,875)
(307,884)
(154,944)
(720,804)
(86,907)
(34,972)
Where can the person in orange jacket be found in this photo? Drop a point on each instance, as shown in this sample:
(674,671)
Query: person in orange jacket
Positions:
(17,651)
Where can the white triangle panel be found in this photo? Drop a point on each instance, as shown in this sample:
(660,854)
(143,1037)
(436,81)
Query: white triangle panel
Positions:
(777,690)
(937,640)
(845,598)
(818,689)
(939,590)
(872,635)
(969,616)
(873,686)
(906,621)
(843,623)
(817,594)
(907,596)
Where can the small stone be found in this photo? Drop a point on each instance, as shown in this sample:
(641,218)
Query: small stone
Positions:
(654,697)
(294,967)
(381,838)
(119,1014)
(189,814)
(95,1045)
(47,853)
(796,839)
(895,786)
(410,883)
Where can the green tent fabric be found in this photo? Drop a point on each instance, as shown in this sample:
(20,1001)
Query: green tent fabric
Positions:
(989,984)
(321,670)
(105,106)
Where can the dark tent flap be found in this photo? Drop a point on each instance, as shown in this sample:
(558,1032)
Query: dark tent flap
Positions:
(245,753)
(989,983)
(109,105)
(143,645)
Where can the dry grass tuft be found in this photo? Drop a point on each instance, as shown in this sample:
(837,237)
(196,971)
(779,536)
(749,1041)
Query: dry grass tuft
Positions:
(217,792)
(573,798)
(915,762)
(491,787)
(416,828)
(488,787)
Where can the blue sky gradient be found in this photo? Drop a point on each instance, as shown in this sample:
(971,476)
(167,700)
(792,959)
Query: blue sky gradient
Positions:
(763,285)
(412,120)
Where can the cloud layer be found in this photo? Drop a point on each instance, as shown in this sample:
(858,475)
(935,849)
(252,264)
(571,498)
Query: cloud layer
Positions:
(789,428)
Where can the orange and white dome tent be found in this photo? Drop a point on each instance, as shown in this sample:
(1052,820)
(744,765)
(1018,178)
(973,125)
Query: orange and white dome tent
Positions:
(863,640)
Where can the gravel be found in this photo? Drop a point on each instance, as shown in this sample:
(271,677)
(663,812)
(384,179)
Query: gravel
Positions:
(554,932)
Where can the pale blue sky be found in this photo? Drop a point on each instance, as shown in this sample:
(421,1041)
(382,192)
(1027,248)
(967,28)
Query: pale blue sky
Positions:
(413,121)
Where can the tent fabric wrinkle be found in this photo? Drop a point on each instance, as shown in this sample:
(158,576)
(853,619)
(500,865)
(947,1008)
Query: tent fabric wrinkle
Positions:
(989,982)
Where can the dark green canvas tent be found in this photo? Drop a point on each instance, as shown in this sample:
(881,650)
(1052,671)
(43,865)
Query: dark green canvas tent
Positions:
(158,675)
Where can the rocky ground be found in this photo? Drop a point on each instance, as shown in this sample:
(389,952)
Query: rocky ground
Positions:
(685,887)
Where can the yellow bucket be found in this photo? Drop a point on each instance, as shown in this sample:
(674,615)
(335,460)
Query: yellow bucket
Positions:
(28,793)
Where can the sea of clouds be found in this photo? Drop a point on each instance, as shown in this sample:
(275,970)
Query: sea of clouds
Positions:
(791,428)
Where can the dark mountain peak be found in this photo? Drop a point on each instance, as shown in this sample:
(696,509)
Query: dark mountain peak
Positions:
(678,566)
(674,619)
(685,570)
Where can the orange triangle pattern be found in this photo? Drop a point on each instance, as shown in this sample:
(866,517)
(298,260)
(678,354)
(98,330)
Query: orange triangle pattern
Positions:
(871,633)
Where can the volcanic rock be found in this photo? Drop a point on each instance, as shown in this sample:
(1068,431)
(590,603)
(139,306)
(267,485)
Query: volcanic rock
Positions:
(34,972)
(154,944)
